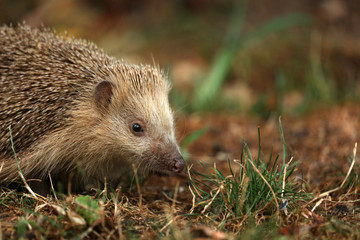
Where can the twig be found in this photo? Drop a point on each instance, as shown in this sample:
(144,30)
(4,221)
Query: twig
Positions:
(283,200)
(337,188)
(52,186)
(193,201)
(169,223)
(104,192)
(188,169)
(175,196)
(209,204)
(18,165)
(221,187)
(351,166)
(138,186)
(117,215)
(169,198)
(317,204)
(285,169)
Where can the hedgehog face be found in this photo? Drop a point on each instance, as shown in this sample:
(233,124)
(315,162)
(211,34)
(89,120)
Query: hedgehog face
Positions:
(154,145)
(144,130)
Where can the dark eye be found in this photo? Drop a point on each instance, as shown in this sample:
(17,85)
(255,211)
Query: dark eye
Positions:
(137,129)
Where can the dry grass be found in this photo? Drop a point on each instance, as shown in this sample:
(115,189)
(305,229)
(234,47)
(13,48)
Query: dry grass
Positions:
(183,212)
(122,216)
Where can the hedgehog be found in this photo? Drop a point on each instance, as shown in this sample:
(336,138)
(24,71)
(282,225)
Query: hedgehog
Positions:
(75,111)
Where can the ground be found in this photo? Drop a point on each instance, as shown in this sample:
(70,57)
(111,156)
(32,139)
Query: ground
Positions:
(322,144)
(302,69)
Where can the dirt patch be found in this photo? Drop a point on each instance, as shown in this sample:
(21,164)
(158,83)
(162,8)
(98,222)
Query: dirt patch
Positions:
(322,142)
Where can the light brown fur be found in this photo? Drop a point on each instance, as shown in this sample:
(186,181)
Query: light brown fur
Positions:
(47,85)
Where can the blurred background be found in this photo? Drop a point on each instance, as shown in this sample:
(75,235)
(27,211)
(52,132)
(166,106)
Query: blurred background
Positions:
(249,57)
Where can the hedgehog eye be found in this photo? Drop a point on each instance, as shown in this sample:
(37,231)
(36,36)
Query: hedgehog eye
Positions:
(137,129)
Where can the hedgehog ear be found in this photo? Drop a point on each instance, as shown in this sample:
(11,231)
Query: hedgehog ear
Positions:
(103,93)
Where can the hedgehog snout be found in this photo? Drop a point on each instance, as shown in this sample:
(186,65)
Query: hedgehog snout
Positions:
(177,164)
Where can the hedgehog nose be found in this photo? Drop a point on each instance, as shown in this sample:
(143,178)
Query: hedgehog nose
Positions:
(177,164)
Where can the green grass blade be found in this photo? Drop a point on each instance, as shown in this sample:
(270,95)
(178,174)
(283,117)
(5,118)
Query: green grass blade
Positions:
(274,25)
(284,145)
(211,86)
(222,63)
(192,137)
